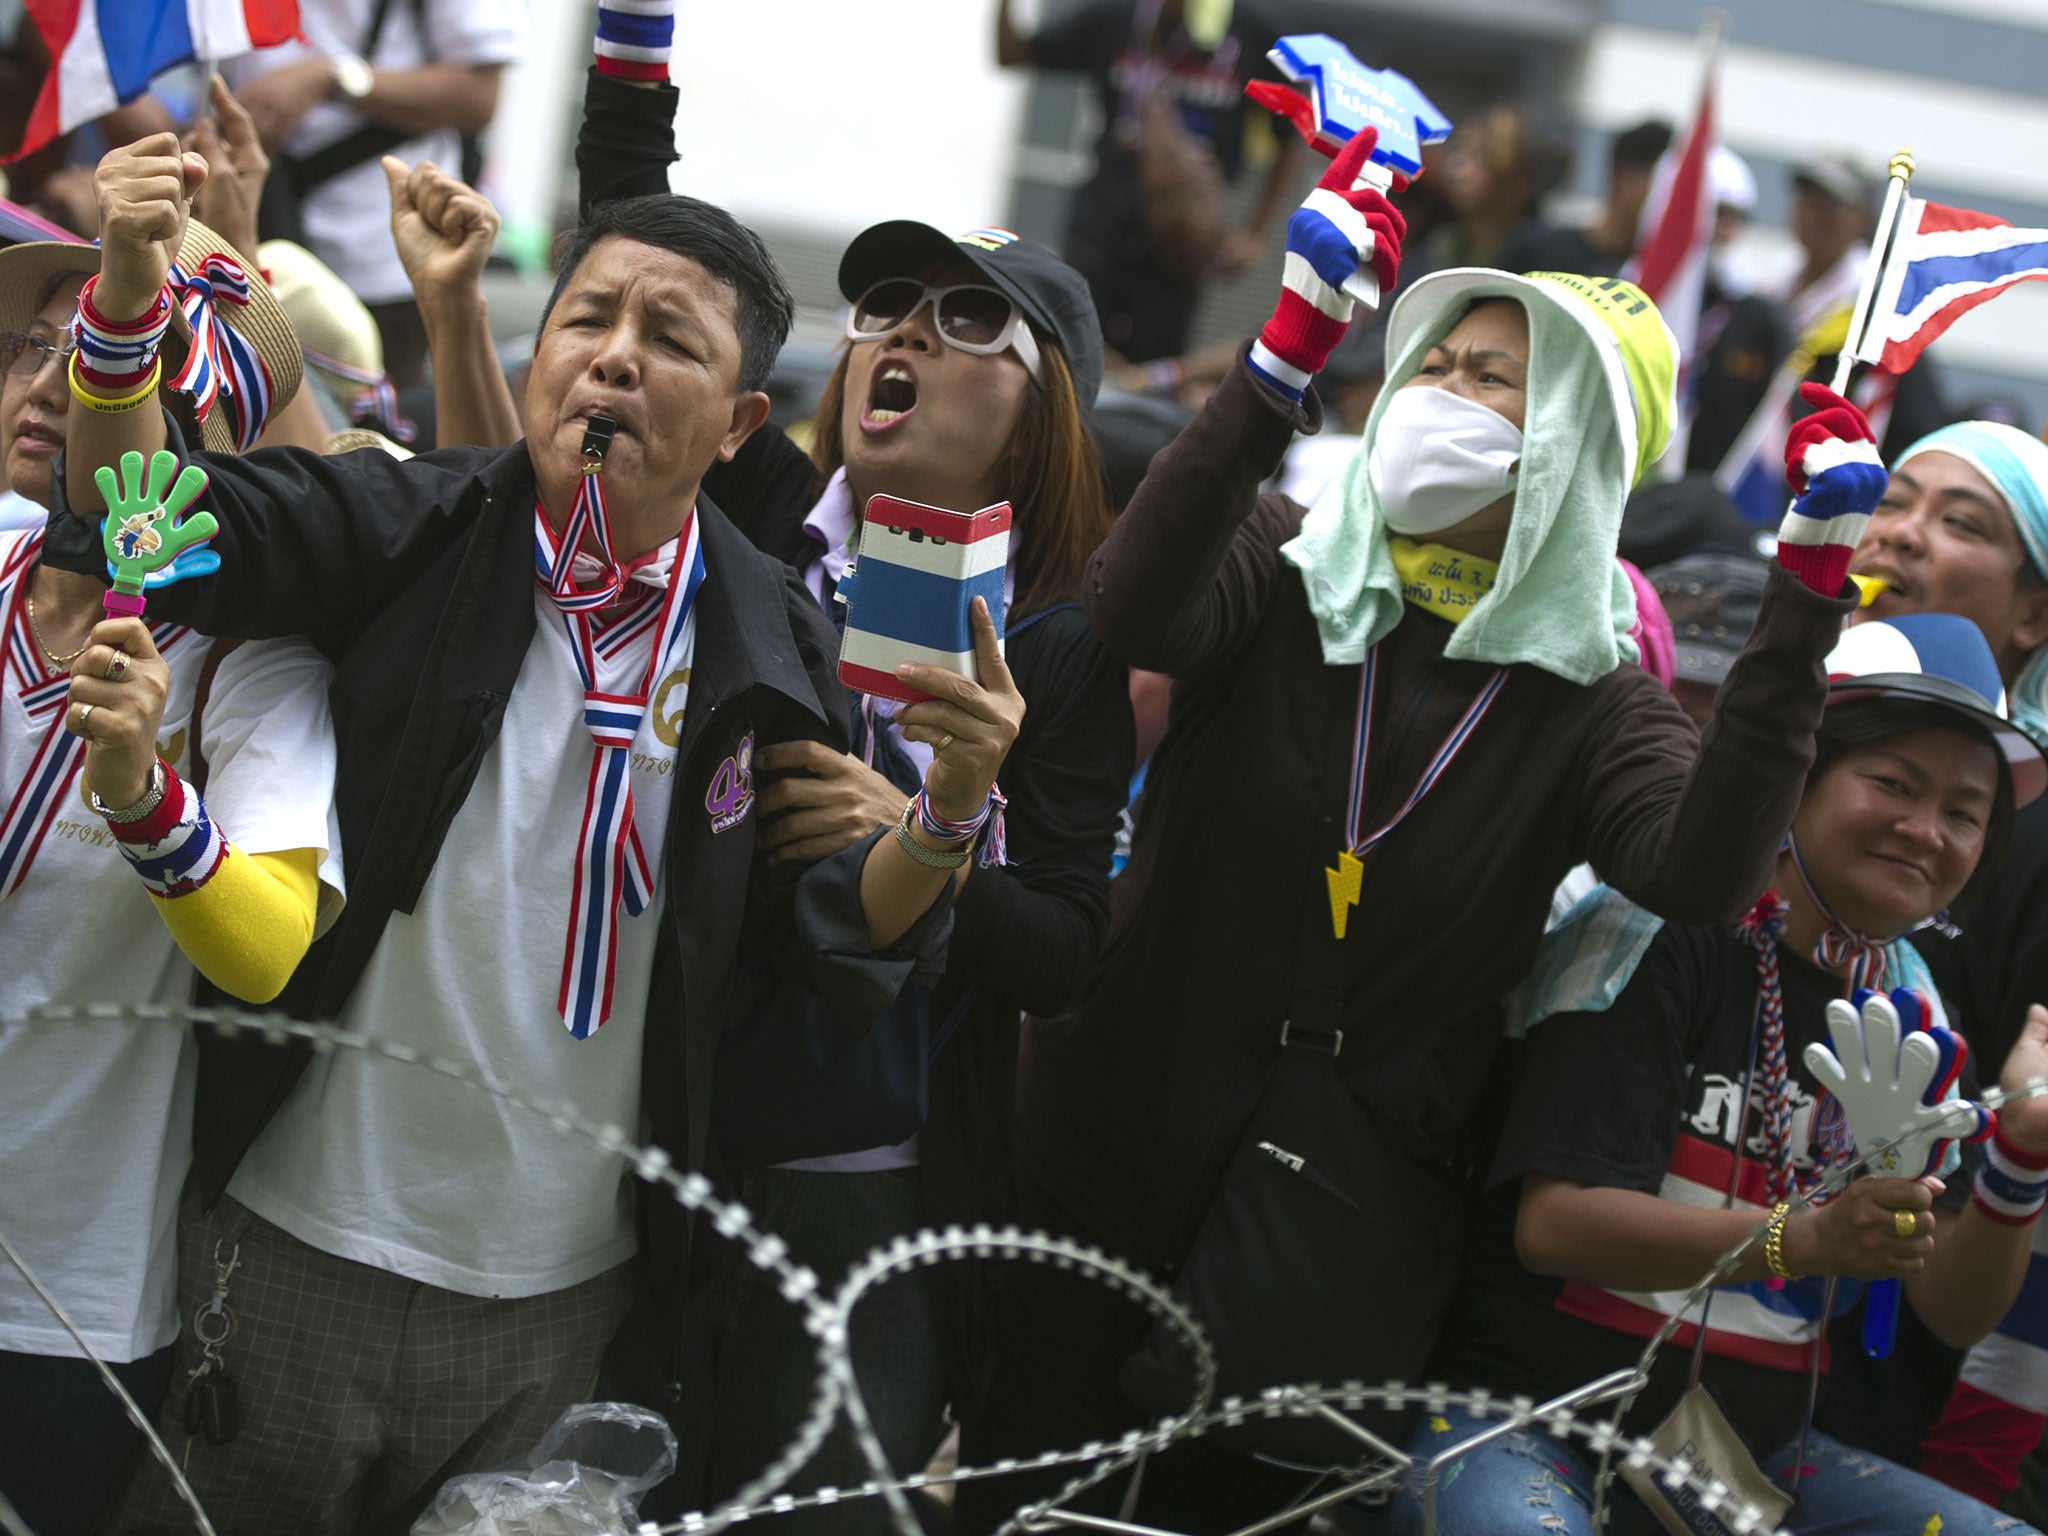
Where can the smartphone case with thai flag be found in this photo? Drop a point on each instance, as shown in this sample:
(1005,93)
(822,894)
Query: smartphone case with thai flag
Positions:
(910,588)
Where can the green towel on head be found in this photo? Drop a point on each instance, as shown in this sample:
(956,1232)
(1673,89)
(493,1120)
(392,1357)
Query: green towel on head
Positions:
(1602,369)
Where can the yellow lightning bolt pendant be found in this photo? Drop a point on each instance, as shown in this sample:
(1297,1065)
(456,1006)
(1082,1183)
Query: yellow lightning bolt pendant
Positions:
(1344,882)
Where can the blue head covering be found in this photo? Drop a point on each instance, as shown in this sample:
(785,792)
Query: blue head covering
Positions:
(2017,467)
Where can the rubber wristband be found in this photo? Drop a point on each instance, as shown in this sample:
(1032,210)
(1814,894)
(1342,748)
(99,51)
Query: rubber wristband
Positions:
(107,407)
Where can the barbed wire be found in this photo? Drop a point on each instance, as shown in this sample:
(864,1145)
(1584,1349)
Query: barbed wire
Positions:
(829,1320)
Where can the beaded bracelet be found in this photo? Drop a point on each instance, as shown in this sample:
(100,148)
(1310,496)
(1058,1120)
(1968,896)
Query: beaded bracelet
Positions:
(2012,1185)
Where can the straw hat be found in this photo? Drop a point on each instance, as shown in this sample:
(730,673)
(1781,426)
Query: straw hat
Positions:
(325,313)
(349,439)
(27,272)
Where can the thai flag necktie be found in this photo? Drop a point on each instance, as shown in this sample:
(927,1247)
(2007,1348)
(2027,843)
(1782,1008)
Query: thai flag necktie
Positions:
(612,867)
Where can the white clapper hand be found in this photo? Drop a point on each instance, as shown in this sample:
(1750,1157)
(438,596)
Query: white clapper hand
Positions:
(1881,1074)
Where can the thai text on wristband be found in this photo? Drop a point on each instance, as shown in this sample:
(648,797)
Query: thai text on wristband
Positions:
(116,357)
(990,818)
(176,848)
(2013,1183)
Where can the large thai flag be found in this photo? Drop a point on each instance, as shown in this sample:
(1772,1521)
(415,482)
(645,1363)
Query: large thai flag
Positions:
(1943,264)
(106,52)
(1670,265)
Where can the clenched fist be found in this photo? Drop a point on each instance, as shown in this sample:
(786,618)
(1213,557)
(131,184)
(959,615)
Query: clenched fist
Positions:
(144,191)
(444,229)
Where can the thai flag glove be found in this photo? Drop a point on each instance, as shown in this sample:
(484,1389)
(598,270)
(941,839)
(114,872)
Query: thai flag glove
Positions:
(1837,479)
(1340,234)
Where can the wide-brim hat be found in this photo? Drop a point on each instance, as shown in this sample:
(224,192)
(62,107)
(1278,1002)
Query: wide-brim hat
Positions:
(1939,658)
(1053,296)
(325,314)
(1638,354)
(28,270)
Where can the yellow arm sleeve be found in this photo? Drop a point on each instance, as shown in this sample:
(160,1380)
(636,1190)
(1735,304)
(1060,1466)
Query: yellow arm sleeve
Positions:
(248,927)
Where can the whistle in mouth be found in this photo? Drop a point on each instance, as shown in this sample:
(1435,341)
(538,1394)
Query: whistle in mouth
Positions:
(597,442)
(1869,589)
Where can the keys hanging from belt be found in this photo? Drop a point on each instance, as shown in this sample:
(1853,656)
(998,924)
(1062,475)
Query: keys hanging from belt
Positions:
(210,1404)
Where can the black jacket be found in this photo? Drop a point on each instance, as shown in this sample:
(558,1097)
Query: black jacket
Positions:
(416,580)
(1025,936)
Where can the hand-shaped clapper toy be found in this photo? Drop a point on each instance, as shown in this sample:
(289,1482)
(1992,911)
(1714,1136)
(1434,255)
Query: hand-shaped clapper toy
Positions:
(1891,1070)
(147,543)
(1337,97)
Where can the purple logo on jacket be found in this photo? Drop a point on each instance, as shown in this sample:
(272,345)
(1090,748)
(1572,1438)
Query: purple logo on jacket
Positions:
(731,794)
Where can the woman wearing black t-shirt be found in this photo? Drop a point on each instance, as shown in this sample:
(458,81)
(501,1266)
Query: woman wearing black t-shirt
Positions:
(1616,1179)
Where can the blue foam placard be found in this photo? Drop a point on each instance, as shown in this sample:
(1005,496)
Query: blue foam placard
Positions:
(1346,96)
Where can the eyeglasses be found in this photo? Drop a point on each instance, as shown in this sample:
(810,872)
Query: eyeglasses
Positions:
(23,356)
(970,317)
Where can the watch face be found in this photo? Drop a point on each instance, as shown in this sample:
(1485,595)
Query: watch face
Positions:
(353,76)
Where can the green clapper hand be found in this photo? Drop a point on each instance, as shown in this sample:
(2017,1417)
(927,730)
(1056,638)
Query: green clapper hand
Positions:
(147,543)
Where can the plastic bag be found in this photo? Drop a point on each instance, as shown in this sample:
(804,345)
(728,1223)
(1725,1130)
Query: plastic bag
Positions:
(585,1478)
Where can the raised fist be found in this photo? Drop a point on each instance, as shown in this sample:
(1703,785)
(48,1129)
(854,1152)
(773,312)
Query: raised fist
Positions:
(144,191)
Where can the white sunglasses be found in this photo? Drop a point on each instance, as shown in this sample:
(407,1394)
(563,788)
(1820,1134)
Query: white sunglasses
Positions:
(970,316)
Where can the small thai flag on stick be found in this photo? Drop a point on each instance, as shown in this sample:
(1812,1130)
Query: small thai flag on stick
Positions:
(1944,262)
(104,53)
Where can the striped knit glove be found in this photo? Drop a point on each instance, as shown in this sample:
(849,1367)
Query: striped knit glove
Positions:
(1832,466)
(1344,242)
(634,37)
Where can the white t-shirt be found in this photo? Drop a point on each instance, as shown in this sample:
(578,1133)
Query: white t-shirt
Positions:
(348,218)
(96,1119)
(434,1179)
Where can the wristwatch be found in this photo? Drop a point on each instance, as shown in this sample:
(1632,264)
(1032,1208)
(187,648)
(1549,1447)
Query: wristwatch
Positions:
(353,76)
(152,797)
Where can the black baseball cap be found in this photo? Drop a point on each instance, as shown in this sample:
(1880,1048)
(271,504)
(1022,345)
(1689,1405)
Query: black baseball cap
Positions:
(1053,296)
(1712,600)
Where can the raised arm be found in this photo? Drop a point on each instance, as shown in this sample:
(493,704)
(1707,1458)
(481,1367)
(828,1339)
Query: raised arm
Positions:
(1180,579)
(145,194)
(627,140)
(1693,838)
(444,231)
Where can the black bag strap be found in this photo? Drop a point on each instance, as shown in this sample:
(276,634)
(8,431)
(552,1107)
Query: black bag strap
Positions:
(195,758)
(1315,1009)
(365,144)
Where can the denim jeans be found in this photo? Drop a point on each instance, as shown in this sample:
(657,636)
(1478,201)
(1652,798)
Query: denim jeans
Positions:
(65,1439)
(1532,1482)
(766,1364)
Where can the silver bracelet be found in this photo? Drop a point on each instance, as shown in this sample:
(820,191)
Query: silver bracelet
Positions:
(152,797)
(929,858)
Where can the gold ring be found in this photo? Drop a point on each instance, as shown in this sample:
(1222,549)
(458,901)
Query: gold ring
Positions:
(117,666)
(945,741)
(84,714)
(1905,1224)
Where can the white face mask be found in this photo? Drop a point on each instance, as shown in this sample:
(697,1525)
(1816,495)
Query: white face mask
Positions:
(1437,458)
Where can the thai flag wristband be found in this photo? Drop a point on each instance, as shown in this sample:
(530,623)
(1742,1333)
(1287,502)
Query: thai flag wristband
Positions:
(176,848)
(634,38)
(117,355)
(993,850)
(2012,1185)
